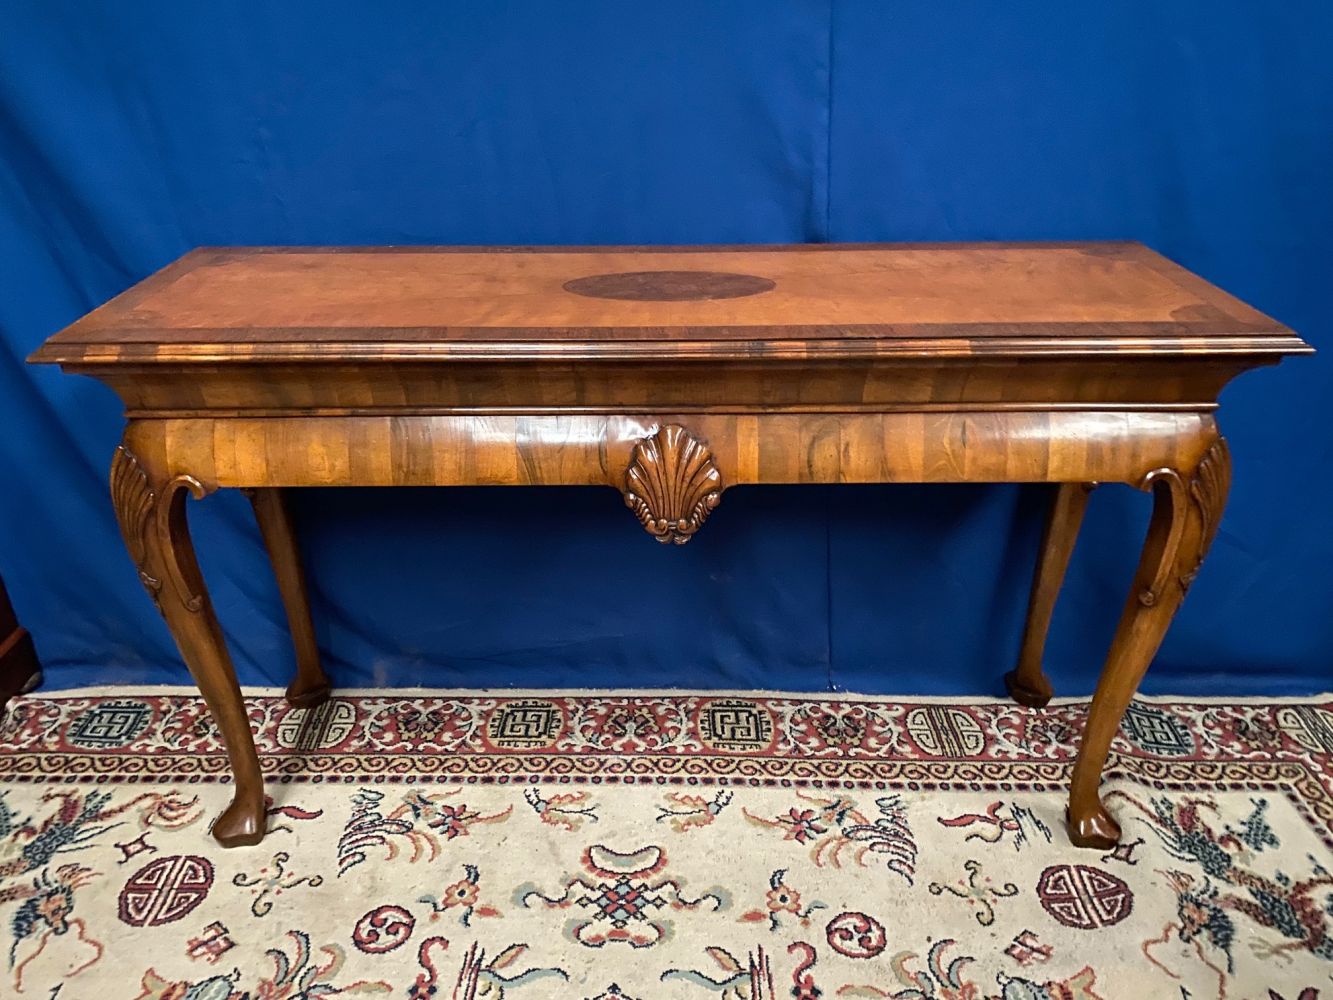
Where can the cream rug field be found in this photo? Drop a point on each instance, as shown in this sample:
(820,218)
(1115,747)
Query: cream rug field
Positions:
(663,847)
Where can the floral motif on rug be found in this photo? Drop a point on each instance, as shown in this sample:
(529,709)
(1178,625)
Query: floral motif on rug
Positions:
(663,847)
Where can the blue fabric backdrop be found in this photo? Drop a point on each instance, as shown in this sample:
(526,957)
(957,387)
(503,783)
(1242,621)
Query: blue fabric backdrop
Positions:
(130,133)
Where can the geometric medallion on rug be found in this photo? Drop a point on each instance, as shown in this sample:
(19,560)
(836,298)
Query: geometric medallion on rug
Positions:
(663,847)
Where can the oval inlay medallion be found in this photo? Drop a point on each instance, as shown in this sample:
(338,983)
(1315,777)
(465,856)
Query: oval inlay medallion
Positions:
(669,286)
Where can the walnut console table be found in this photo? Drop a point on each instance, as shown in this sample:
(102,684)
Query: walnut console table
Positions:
(671,374)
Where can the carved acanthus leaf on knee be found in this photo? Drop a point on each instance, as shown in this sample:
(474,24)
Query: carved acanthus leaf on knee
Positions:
(1207,490)
(145,516)
(133,500)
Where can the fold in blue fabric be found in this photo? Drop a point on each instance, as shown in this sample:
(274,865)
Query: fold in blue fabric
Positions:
(131,133)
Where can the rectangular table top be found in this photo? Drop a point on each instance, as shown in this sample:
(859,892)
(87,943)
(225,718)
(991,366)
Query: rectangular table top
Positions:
(826,300)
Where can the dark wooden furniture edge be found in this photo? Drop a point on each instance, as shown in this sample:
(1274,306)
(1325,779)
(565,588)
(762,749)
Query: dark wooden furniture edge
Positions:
(20,671)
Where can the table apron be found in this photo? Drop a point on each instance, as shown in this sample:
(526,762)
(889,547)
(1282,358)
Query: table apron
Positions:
(582,449)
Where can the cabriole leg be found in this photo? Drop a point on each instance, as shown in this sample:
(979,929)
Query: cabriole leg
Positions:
(1028,684)
(151,510)
(1186,511)
(310,686)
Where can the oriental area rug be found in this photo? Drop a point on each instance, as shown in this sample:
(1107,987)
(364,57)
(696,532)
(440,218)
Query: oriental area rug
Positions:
(663,846)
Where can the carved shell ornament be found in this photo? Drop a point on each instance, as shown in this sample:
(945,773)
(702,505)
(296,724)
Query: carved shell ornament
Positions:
(672,484)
